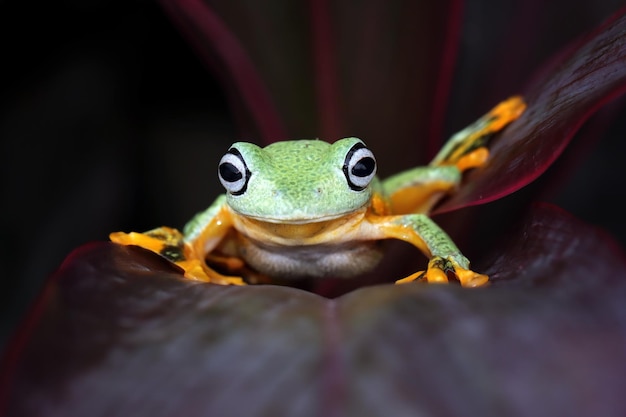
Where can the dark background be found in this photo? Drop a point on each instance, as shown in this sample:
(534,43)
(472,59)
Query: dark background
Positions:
(109,121)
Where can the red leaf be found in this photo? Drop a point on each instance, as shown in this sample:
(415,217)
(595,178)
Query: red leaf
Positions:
(119,332)
(329,69)
(215,42)
(589,77)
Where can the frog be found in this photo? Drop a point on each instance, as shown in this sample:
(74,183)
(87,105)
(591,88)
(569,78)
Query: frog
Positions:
(310,209)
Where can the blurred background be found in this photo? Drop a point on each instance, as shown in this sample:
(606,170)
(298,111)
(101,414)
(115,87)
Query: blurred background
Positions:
(109,121)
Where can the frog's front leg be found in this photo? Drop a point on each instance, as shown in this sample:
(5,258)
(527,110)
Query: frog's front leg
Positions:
(189,250)
(445,258)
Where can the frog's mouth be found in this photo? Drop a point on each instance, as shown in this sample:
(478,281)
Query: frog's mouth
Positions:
(303,218)
(296,220)
(295,231)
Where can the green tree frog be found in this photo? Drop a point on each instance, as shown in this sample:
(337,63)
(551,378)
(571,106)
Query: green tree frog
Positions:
(311,209)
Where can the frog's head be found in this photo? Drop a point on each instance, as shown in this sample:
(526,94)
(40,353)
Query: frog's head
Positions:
(298,181)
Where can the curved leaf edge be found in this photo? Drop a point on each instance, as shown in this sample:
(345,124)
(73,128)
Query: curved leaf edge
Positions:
(476,192)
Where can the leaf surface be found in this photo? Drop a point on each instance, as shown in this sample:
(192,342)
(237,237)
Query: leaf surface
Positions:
(119,332)
(559,102)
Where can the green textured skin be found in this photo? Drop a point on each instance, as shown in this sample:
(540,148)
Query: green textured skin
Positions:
(421,175)
(435,238)
(303,181)
(297,180)
(197,224)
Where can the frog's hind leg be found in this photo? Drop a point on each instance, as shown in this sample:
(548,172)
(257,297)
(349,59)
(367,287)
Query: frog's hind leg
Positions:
(467,149)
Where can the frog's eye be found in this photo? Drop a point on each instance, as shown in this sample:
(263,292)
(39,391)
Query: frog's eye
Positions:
(233,172)
(359,167)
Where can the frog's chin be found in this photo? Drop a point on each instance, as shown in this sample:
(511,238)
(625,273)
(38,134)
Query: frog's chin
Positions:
(304,218)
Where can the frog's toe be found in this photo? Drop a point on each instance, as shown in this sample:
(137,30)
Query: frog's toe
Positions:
(197,270)
(474,159)
(435,274)
(416,277)
(439,269)
(165,241)
(466,277)
(469,278)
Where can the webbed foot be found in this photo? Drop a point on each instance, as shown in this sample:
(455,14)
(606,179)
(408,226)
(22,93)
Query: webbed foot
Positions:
(439,269)
(170,244)
(478,134)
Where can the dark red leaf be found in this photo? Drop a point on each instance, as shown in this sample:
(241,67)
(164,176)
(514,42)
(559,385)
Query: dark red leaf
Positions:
(590,76)
(120,332)
(330,69)
(214,41)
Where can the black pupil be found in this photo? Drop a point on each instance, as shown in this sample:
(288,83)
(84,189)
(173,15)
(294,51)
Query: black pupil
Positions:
(229,172)
(364,167)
